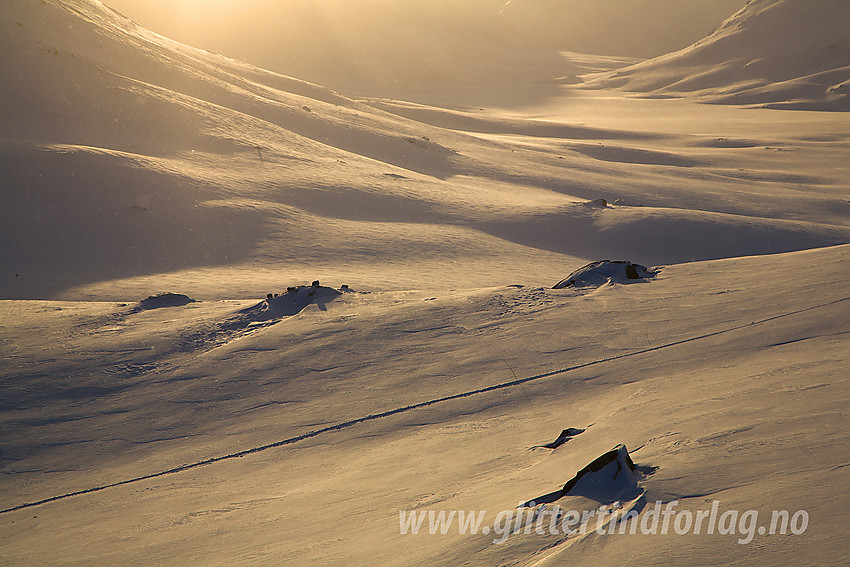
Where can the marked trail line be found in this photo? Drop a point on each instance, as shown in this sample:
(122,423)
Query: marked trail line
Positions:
(359,420)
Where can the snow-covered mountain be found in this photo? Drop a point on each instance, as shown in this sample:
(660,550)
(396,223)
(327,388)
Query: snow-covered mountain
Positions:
(130,157)
(248,320)
(785,53)
(628,28)
(474,53)
(125,153)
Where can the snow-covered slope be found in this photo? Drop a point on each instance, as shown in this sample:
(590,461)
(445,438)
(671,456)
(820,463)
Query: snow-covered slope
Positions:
(125,153)
(633,28)
(131,162)
(175,391)
(788,53)
(475,53)
(298,439)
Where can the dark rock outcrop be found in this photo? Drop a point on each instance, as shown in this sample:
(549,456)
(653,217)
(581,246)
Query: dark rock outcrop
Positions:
(603,271)
(613,468)
(166,299)
(565,436)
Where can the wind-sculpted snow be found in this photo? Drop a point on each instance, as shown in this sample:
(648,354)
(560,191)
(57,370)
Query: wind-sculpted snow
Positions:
(272,310)
(298,428)
(716,372)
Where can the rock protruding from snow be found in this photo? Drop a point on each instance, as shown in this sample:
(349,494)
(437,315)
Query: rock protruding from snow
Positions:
(609,477)
(297,298)
(565,436)
(166,299)
(604,271)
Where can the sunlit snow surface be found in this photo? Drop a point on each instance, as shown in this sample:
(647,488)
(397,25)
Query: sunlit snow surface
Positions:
(174,390)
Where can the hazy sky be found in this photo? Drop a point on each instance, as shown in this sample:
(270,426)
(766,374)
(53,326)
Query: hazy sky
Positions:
(640,28)
(397,48)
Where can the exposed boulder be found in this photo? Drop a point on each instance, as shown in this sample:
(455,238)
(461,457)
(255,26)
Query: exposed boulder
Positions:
(296,299)
(603,271)
(610,478)
(607,478)
(166,299)
(565,436)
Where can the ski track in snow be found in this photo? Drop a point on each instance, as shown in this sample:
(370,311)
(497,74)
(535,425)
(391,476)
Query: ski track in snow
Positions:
(388,413)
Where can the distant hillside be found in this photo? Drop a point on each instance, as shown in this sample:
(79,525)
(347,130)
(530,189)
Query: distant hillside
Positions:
(130,161)
(629,28)
(121,151)
(470,52)
(785,53)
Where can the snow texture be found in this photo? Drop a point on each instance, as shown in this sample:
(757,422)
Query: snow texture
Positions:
(413,151)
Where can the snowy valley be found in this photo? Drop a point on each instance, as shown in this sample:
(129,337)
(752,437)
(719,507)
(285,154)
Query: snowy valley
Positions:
(246,318)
